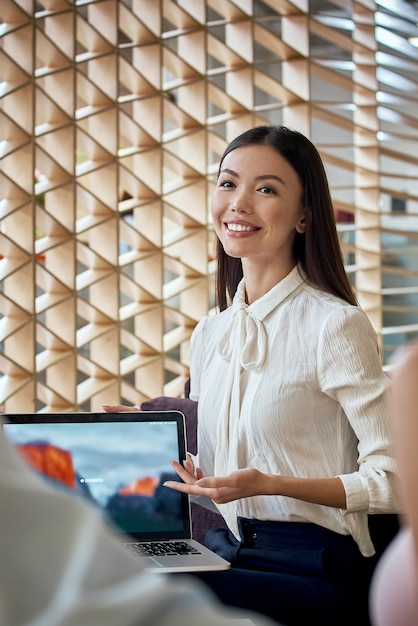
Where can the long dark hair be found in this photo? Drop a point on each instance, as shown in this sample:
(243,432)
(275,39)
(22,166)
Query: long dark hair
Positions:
(317,250)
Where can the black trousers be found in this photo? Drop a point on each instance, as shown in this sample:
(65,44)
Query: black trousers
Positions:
(299,574)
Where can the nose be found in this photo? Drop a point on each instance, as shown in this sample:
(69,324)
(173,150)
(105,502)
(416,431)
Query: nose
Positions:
(240,203)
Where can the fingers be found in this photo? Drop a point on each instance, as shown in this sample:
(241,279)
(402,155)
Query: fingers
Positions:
(219,496)
(196,485)
(190,488)
(183,487)
(183,472)
(189,465)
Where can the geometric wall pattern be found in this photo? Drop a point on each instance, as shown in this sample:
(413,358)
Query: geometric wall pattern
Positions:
(114,114)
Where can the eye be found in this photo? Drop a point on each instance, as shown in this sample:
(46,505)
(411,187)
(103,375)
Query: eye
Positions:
(227,184)
(266,190)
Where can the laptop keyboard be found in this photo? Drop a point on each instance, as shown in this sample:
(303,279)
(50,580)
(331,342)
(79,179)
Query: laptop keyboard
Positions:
(162,548)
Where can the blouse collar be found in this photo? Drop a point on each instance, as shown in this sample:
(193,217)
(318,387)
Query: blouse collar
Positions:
(273,298)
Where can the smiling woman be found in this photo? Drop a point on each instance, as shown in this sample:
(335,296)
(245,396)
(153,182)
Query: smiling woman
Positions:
(293,437)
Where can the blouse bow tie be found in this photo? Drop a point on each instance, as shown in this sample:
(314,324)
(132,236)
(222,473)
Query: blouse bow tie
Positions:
(246,334)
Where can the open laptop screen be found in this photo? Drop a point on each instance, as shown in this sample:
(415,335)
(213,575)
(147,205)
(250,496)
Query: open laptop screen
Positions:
(117,462)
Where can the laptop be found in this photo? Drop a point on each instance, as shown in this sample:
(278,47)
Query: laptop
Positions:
(118,463)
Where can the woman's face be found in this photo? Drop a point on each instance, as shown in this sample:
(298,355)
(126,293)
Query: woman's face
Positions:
(257,205)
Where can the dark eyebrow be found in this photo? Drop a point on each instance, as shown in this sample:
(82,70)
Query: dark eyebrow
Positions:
(270,176)
(262,177)
(228,171)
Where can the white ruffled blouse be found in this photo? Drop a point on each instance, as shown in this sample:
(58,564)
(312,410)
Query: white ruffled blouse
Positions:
(292,384)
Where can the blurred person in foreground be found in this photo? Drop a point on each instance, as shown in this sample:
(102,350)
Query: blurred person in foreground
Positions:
(394,590)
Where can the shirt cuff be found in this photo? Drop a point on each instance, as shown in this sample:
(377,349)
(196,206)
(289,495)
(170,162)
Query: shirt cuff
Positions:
(356,493)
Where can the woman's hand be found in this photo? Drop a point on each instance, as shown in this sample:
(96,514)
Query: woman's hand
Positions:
(248,482)
(242,483)
(120,408)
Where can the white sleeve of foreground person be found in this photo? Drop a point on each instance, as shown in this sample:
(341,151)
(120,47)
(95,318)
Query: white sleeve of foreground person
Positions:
(61,566)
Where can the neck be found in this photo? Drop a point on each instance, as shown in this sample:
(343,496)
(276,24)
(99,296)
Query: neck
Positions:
(257,284)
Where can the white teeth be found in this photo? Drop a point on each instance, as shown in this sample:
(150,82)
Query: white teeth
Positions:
(240,228)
